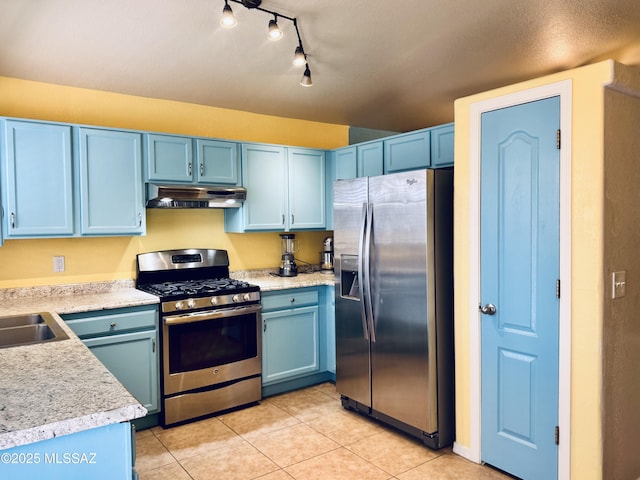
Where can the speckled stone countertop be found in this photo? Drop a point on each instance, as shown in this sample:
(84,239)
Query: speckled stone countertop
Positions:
(268,282)
(58,388)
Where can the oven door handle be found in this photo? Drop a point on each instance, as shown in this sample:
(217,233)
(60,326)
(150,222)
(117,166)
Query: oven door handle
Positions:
(211,314)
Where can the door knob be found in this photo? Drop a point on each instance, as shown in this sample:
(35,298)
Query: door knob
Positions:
(488,309)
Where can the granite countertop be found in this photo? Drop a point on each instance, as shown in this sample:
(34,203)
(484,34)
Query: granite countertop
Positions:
(59,388)
(265,279)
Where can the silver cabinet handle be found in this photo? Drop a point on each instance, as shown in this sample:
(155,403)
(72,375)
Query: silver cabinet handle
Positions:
(190,168)
(488,309)
(139,220)
(293,219)
(202,169)
(113,325)
(13,220)
(264,325)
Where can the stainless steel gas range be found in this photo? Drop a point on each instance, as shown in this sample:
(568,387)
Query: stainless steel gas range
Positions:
(210,332)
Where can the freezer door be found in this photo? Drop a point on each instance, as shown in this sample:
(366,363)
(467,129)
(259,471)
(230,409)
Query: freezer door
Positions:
(353,373)
(403,357)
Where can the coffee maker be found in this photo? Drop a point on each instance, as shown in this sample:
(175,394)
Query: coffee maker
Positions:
(326,256)
(288,267)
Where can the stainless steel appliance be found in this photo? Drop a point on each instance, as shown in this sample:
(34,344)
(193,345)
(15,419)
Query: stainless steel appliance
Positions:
(326,256)
(394,312)
(288,267)
(191,196)
(210,332)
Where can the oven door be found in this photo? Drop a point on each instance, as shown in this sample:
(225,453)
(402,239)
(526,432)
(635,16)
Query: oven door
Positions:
(203,349)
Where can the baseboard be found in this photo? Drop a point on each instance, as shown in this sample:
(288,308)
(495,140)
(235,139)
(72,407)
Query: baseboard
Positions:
(465,452)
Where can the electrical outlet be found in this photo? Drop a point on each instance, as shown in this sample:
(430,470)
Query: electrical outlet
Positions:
(58,263)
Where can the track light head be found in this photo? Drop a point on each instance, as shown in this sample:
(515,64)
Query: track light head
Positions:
(299,58)
(306,78)
(228,20)
(274,31)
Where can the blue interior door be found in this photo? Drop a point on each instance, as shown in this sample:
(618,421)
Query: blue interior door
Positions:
(520,209)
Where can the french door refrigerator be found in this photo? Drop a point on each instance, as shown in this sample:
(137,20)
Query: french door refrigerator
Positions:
(393,243)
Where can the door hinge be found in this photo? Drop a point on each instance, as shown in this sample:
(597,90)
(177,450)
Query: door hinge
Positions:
(557,435)
(558,138)
(558,288)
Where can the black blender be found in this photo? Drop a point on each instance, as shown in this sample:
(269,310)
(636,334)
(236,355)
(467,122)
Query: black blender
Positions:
(288,267)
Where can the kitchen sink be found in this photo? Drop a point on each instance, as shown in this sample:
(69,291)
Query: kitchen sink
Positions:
(29,329)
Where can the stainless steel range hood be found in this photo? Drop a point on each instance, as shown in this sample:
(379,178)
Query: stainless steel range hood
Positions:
(191,196)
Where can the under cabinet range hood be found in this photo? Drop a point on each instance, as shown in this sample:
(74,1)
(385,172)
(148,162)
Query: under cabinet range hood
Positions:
(191,196)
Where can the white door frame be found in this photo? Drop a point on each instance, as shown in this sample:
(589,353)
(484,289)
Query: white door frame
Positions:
(562,89)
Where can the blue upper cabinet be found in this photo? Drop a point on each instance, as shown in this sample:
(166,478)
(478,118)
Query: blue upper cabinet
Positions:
(306,168)
(285,190)
(442,146)
(345,162)
(370,159)
(110,172)
(218,162)
(171,159)
(264,174)
(407,151)
(37,159)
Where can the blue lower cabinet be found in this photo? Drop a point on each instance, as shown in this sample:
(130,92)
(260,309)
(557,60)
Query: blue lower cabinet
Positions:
(103,453)
(290,344)
(294,339)
(125,340)
(330,329)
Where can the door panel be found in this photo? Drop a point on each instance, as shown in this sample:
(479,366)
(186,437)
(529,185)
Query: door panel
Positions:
(519,268)
(353,375)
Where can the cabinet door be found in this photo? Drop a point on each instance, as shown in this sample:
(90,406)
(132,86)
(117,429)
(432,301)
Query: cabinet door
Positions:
(289,344)
(442,146)
(346,163)
(37,177)
(264,175)
(306,188)
(217,162)
(169,158)
(330,320)
(133,359)
(111,196)
(407,152)
(370,159)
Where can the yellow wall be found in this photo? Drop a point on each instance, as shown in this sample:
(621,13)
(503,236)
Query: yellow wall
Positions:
(30,262)
(586,271)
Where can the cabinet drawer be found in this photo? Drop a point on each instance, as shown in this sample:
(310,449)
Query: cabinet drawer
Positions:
(102,323)
(289,299)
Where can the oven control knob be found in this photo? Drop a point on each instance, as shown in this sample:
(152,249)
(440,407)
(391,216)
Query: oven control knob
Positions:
(235,298)
(214,300)
(179,305)
(191,303)
(246,297)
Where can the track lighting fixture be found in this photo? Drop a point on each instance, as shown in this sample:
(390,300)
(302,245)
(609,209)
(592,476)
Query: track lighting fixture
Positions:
(299,58)
(228,20)
(306,78)
(274,31)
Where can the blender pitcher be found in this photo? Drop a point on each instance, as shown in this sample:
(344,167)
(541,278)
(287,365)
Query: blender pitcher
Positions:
(288,267)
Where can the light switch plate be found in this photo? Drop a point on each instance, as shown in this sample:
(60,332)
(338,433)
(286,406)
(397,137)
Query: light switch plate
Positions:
(619,284)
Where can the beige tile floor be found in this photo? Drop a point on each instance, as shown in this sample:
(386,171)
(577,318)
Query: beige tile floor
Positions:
(302,435)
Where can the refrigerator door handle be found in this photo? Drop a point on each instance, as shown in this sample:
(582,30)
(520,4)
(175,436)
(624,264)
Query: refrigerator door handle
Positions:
(367,275)
(363,315)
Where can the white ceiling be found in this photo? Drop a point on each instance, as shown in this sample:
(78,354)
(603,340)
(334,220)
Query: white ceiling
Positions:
(376,64)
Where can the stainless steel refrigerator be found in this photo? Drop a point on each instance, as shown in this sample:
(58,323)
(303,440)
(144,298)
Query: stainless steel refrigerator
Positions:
(393,243)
